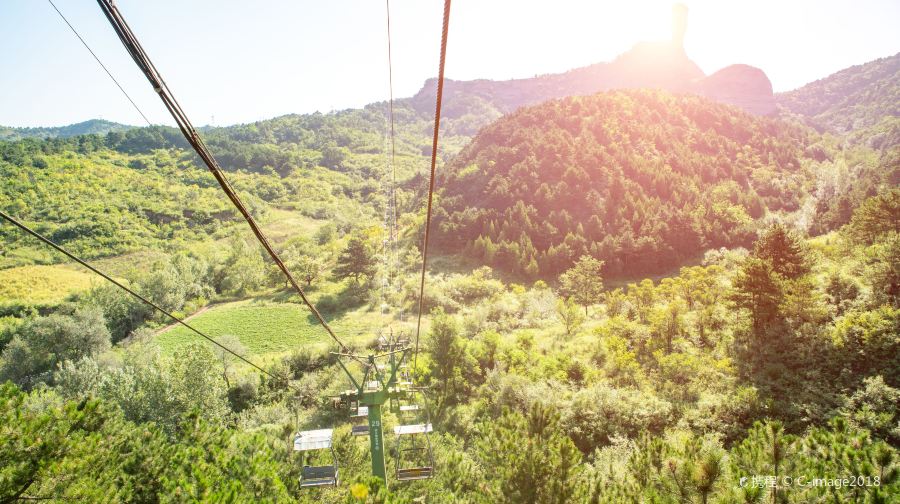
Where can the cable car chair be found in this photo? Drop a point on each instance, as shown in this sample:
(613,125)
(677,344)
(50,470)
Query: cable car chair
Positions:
(419,450)
(360,417)
(414,456)
(316,440)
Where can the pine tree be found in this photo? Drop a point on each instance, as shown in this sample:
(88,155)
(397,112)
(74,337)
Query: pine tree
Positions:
(757,290)
(782,249)
(356,260)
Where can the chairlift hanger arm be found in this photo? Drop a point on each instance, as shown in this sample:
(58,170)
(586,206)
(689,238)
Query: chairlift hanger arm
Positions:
(350,375)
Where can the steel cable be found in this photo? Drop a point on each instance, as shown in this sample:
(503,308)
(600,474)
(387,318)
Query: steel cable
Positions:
(129,40)
(434,146)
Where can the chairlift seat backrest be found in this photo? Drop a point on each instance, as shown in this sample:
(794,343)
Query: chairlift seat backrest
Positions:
(405,430)
(313,476)
(313,440)
(414,473)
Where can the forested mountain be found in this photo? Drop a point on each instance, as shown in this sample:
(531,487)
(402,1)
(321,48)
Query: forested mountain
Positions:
(90,127)
(639,179)
(861,97)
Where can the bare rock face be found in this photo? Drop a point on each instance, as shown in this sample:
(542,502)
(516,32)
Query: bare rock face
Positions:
(742,85)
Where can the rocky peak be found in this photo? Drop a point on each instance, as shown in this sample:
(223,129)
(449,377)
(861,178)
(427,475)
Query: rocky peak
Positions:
(661,65)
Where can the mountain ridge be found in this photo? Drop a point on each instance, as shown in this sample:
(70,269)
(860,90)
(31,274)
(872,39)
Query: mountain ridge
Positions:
(661,65)
(88,127)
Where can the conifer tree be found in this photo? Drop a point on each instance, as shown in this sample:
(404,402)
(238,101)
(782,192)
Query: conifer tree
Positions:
(356,260)
(782,249)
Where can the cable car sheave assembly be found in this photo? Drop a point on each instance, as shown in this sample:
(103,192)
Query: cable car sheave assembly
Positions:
(391,382)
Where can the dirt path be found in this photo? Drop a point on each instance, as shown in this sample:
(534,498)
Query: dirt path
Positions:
(189,317)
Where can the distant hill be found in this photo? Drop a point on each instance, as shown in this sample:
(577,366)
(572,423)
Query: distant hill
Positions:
(856,98)
(640,179)
(648,65)
(651,65)
(90,127)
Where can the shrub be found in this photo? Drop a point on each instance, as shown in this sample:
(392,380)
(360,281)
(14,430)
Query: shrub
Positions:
(600,413)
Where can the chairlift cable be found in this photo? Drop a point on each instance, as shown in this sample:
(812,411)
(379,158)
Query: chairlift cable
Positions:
(389,245)
(434,146)
(393,193)
(86,46)
(146,301)
(134,48)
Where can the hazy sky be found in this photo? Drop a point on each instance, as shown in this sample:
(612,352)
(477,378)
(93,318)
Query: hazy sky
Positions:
(242,60)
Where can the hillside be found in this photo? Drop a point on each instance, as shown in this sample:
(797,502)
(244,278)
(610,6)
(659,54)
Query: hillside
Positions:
(100,202)
(859,97)
(668,392)
(642,180)
(90,127)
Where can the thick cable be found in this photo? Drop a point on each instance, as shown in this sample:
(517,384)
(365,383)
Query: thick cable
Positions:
(129,40)
(434,146)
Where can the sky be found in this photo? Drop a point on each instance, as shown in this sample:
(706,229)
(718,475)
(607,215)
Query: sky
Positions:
(237,61)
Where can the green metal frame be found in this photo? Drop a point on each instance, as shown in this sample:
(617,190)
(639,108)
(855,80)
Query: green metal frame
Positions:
(374,400)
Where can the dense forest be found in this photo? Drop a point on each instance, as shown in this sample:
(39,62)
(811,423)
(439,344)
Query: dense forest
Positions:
(640,180)
(855,98)
(634,296)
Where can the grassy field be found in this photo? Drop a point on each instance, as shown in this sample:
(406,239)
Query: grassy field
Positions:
(127,264)
(50,284)
(270,329)
(283,224)
(42,284)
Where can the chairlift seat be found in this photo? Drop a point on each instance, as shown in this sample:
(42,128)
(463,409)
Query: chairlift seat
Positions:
(414,473)
(314,476)
(409,407)
(359,430)
(361,412)
(405,430)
